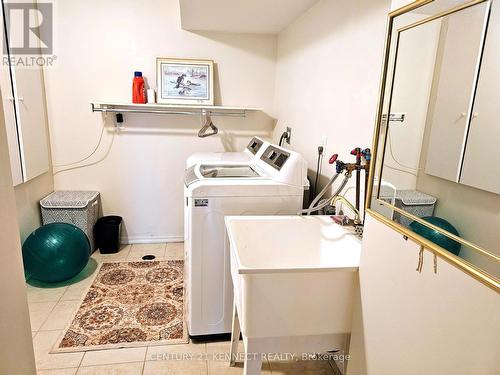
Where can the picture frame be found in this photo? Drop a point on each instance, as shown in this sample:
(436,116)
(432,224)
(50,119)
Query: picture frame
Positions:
(184,81)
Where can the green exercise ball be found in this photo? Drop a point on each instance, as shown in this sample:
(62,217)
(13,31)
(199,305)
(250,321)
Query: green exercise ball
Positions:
(55,252)
(437,237)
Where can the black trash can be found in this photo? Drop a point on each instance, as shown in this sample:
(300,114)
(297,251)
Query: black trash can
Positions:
(107,234)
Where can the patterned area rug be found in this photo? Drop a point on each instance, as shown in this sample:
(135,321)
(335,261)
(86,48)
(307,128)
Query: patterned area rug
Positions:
(129,304)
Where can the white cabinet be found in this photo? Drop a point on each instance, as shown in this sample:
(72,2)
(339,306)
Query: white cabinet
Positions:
(25,119)
(32,122)
(481,168)
(465,132)
(11,127)
(458,53)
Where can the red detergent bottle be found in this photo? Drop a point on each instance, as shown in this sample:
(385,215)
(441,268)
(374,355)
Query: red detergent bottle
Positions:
(138,89)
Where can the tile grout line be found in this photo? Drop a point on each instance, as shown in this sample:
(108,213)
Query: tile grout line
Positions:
(144,361)
(55,368)
(98,365)
(50,312)
(110,363)
(80,363)
(46,319)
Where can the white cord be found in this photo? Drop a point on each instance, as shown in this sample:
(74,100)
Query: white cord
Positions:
(413,170)
(85,158)
(400,170)
(392,154)
(93,163)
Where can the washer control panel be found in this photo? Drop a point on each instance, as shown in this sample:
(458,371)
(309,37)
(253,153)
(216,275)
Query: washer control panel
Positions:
(254,145)
(275,157)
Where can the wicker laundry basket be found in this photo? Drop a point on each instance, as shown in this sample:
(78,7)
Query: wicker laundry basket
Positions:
(415,202)
(80,208)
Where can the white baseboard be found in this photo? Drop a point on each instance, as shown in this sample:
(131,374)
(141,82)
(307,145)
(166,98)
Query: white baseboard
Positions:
(159,239)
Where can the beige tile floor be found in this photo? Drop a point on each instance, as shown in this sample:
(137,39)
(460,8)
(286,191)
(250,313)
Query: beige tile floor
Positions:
(51,308)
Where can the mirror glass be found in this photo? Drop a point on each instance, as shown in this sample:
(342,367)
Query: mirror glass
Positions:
(437,125)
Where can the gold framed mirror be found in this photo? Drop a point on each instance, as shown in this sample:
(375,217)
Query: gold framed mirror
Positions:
(434,177)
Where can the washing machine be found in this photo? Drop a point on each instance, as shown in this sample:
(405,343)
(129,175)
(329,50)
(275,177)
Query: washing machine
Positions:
(253,150)
(272,184)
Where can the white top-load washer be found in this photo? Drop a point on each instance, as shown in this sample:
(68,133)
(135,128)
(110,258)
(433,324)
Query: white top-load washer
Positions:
(272,184)
(254,150)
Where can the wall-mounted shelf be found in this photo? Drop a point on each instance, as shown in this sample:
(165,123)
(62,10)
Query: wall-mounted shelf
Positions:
(206,111)
(170,109)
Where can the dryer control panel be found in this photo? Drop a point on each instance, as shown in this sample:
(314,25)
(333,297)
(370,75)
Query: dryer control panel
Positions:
(275,157)
(254,145)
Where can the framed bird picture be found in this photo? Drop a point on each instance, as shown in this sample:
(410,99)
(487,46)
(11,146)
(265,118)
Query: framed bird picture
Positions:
(185,81)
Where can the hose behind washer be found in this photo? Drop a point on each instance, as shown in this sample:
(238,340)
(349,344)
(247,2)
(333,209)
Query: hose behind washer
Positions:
(313,208)
(282,138)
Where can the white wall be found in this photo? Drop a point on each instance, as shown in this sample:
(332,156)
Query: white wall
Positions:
(410,95)
(327,74)
(420,323)
(327,78)
(16,349)
(28,196)
(99,45)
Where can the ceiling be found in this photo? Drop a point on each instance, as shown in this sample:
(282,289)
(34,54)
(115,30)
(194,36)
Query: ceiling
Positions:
(437,6)
(241,16)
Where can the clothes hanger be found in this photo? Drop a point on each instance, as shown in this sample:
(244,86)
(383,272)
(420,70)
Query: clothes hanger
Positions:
(208,125)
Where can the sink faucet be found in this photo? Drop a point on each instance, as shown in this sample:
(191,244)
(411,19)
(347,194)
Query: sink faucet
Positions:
(342,199)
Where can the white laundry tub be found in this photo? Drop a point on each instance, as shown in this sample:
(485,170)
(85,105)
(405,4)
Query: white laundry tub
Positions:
(293,275)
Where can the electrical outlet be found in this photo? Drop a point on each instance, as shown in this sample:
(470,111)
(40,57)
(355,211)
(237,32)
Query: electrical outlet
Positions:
(119,120)
(289,134)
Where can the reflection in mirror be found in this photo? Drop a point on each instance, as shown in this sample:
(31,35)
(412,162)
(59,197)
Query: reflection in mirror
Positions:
(433,126)
(479,168)
(459,48)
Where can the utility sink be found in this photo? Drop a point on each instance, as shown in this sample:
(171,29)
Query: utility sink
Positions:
(293,276)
